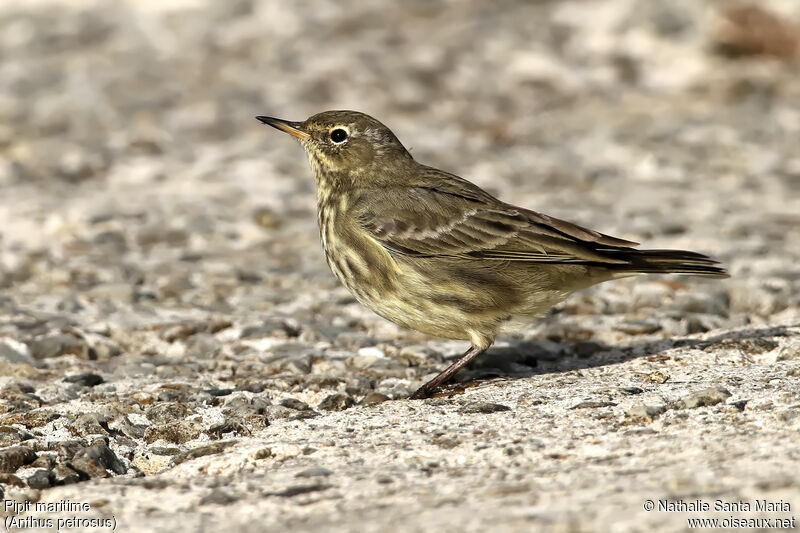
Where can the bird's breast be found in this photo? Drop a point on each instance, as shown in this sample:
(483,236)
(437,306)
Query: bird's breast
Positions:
(360,263)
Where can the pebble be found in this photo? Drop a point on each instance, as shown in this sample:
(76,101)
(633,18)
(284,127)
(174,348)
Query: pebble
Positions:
(176,432)
(94,460)
(58,345)
(316,471)
(85,380)
(703,398)
(10,436)
(373,398)
(294,403)
(65,475)
(41,479)
(592,404)
(44,461)
(484,408)
(14,457)
(15,352)
(336,402)
(203,451)
(656,377)
(645,412)
(89,424)
(167,412)
(297,490)
(789,351)
(10,480)
(218,497)
(638,327)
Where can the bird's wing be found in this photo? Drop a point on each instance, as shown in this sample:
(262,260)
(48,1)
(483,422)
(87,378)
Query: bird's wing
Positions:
(443,215)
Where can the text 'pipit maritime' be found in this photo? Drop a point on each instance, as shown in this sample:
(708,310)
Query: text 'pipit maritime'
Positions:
(431,251)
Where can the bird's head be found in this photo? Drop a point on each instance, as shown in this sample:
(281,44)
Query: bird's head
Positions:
(347,144)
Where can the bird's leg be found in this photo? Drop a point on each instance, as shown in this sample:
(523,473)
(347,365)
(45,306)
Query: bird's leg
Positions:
(427,390)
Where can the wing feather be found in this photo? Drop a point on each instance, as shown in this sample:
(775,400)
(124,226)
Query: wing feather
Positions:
(443,215)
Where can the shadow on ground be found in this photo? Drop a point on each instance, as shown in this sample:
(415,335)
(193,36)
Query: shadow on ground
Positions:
(527,359)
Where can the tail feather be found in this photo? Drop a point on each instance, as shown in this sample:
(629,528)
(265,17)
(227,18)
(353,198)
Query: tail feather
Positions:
(668,262)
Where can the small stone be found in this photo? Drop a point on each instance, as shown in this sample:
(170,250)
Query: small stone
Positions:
(265,218)
(44,461)
(739,405)
(219,392)
(10,479)
(89,424)
(586,349)
(218,497)
(103,351)
(631,390)
(180,331)
(58,345)
(787,415)
(703,398)
(373,398)
(240,405)
(336,402)
(294,403)
(316,471)
(484,408)
(364,361)
(175,432)
(228,426)
(31,419)
(592,404)
(148,236)
(64,475)
(790,351)
(202,451)
(275,412)
(41,479)
(637,327)
(85,380)
(95,460)
(303,415)
(371,351)
(203,346)
(15,352)
(14,457)
(418,355)
(301,489)
(167,412)
(274,327)
(447,441)
(645,412)
(67,449)
(656,377)
(164,450)
(9,436)
(129,429)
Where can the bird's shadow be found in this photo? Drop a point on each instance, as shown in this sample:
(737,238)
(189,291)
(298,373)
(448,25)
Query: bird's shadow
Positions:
(530,358)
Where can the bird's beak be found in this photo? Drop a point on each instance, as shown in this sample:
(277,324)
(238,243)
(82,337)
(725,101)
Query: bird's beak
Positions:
(294,129)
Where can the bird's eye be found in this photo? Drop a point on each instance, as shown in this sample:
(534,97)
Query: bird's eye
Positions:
(338,135)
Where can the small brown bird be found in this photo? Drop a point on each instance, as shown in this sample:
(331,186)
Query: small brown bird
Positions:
(431,251)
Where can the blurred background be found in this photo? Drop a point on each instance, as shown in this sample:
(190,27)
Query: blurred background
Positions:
(129,126)
(158,245)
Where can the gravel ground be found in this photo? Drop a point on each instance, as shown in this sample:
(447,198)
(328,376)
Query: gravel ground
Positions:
(175,354)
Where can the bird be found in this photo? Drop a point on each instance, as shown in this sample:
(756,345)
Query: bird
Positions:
(433,252)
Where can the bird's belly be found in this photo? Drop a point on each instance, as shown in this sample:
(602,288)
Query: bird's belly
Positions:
(408,293)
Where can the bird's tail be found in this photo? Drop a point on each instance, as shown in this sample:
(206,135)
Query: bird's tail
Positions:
(667,262)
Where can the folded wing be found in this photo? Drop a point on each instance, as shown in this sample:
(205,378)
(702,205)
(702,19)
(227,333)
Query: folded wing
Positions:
(445,216)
